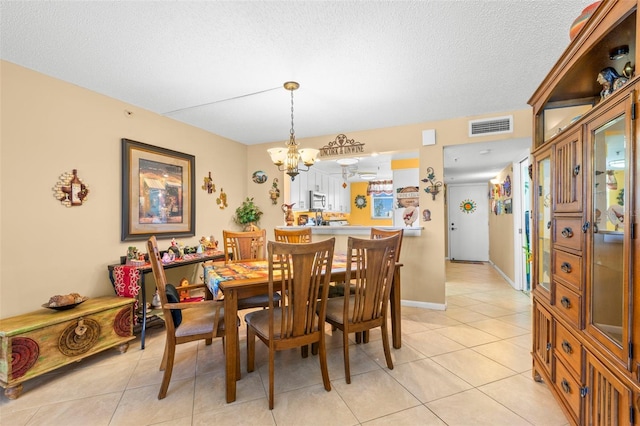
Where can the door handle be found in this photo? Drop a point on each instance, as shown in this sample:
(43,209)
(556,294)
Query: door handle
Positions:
(567,232)
(566,267)
(565,302)
(566,347)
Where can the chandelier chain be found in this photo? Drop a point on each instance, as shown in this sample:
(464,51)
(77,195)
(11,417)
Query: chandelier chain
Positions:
(291,132)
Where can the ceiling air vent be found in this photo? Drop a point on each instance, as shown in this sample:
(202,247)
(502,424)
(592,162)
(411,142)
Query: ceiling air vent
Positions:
(491,126)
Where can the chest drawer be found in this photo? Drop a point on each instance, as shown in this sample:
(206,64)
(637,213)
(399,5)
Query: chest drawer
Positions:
(568,387)
(567,303)
(567,232)
(567,267)
(568,348)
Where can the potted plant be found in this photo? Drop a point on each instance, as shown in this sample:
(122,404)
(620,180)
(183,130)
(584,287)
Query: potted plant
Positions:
(248,214)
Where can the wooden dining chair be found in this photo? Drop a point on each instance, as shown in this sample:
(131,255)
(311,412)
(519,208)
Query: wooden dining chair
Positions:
(301,235)
(184,321)
(298,271)
(246,245)
(370,264)
(377,233)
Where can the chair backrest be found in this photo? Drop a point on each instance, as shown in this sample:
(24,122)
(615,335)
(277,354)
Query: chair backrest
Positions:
(301,235)
(247,245)
(385,233)
(300,272)
(161,280)
(370,264)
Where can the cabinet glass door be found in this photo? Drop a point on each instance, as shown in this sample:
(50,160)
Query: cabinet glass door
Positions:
(608,305)
(543,207)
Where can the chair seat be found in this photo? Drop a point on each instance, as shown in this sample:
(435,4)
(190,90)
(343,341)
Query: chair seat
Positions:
(335,309)
(259,320)
(200,321)
(259,301)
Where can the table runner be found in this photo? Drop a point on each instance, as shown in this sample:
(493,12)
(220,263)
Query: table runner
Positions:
(127,284)
(215,274)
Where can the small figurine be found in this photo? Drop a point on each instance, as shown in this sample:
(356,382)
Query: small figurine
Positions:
(184,293)
(132,253)
(173,249)
(610,81)
(155,302)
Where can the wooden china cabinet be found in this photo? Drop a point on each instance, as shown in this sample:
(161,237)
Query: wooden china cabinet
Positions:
(586,250)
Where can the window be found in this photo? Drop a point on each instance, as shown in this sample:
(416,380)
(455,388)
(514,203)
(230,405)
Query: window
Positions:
(381,206)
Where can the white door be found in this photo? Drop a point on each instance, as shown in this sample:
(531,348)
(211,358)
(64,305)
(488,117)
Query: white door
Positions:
(468,222)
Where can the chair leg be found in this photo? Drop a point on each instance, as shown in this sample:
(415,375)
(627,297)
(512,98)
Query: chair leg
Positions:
(385,345)
(271,377)
(251,350)
(323,363)
(166,378)
(365,336)
(304,351)
(345,344)
(163,363)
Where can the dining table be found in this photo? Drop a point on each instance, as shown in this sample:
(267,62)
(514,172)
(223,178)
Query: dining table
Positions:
(238,280)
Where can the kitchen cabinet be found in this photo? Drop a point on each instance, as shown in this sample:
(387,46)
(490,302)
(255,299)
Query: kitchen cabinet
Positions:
(338,198)
(586,254)
(299,193)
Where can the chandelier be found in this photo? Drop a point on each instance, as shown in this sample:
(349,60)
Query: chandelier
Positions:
(288,159)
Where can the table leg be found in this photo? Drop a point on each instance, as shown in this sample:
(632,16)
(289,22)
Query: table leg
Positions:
(232,338)
(144,311)
(396,316)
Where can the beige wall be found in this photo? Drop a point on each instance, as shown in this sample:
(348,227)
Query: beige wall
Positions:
(49,127)
(501,234)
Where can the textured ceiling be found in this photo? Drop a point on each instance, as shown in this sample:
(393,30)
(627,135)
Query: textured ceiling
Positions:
(220,65)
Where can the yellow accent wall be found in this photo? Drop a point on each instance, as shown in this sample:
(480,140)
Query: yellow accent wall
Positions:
(363,216)
(405,163)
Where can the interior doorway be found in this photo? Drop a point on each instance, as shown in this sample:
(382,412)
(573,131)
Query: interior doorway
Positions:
(468,213)
(522,223)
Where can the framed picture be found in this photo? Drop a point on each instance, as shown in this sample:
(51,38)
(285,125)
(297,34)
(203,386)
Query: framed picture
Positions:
(157,192)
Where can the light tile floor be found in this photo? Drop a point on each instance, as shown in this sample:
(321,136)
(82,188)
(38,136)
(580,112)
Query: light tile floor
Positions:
(468,365)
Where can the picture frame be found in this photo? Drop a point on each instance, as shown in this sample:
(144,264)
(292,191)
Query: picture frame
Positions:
(157,192)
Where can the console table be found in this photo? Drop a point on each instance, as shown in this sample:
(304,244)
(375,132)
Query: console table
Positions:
(136,274)
(44,340)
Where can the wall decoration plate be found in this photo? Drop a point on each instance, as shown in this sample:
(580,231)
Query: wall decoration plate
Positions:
(259,176)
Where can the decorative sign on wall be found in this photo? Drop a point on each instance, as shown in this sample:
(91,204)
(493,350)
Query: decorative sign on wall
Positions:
(407,196)
(433,186)
(274,192)
(222,200)
(342,146)
(208,184)
(468,206)
(70,190)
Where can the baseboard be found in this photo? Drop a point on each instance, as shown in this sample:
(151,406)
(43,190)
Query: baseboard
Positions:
(502,274)
(424,305)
